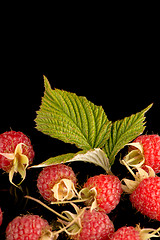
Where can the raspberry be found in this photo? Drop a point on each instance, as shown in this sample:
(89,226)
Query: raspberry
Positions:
(126,233)
(8,143)
(108,189)
(146,197)
(131,233)
(95,225)
(30,227)
(16,153)
(51,178)
(151,150)
(1,217)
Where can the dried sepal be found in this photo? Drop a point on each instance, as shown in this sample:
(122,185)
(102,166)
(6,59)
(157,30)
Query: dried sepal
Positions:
(148,233)
(135,158)
(129,185)
(91,197)
(49,235)
(139,175)
(73,226)
(142,174)
(19,162)
(64,190)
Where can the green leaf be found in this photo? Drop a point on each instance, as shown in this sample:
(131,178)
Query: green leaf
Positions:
(95,156)
(123,131)
(55,160)
(72,119)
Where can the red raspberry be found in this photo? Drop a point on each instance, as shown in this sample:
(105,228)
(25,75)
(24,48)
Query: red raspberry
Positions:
(146,197)
(95,225)
(8,143)
(151,150)
(131,233)
(52,175)
(108,189)
(1,217)
(126,233)
(16,153)
(30,227)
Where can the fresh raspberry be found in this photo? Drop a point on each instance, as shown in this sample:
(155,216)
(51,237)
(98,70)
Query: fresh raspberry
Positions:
(126,233)
(1,217)
(131,233)
(52,175)
(8,143)
(146,197)
(151,150)
(144,191)
(95,225)
(108,189)
(27,227)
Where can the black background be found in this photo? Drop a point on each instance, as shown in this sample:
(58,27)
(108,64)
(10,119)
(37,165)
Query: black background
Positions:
(114,64)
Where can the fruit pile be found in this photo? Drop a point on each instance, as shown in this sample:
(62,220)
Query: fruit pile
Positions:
(90,209)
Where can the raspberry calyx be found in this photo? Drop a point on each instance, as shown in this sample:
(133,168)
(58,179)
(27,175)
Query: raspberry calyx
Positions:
(19,162)
(73,226)
(141,174)
(48,235)
(89,196)
(147,233)
(135,158)
(64,190)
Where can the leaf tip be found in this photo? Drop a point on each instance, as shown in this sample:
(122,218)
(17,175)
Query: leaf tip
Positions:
(46,82)
(147,108)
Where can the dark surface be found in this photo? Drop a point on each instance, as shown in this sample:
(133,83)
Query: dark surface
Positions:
(122,76)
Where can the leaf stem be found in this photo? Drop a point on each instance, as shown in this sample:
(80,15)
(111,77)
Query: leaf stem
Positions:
(50,209)
(130,170)
(156,231)
(72,201)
